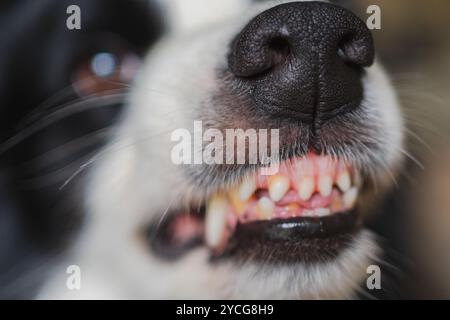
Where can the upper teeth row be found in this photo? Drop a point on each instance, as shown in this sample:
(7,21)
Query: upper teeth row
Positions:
(306,185)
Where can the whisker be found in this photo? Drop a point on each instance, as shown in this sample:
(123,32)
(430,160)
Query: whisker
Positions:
(163,216)
(426,96)
(53,178)
(58,115)
(411,157)
(78,171)
(68,148)
(419,139)
(53,100)
(114,147)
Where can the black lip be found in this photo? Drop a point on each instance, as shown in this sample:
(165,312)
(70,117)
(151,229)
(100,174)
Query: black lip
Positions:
(293,240)
(299,228)
(277,241)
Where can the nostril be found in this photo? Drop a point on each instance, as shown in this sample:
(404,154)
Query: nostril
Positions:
(358,52)
(280,49)
(254,59)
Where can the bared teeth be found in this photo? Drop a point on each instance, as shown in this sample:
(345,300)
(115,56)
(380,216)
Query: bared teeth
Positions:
(349,198)
(305,179)
(329,178)
(265,208)
(306,188)
(247,189)
(325,185)
(322,212)
(317,213)
(326,169)
(343,181)
(239,196)
(278,186)
(215,221)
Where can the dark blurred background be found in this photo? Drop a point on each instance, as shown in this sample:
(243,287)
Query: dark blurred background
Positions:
(414,46)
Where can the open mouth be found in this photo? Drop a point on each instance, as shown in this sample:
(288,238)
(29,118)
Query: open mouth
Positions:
(307,209)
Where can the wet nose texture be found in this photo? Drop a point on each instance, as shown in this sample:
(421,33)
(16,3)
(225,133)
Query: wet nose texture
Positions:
(303,60)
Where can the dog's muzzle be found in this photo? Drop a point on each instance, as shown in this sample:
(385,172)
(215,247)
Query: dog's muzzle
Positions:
(299,63)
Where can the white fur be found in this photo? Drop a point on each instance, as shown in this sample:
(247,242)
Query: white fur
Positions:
(133,180)
(187,16)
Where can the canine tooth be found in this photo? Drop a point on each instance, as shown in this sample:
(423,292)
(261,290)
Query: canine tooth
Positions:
(322,212)
(266,207)
(325,185)
(343,181)
(246,189)
(278,186)
(306,188)
(215,223)
(350,198)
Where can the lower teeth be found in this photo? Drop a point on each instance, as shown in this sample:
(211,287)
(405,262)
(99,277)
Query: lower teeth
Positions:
(321,212)
(220,208)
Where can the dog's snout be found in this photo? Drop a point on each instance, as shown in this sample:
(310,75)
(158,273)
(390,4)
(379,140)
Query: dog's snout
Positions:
(304,59)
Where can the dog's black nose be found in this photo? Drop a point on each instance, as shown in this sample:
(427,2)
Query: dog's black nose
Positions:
(303,59)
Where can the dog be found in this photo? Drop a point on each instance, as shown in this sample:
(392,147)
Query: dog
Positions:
(152,228)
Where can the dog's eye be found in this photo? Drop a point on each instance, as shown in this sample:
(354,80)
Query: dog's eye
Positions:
(104,73)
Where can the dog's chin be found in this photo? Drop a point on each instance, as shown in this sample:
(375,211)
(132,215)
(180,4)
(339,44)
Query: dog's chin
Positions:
(339,277)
